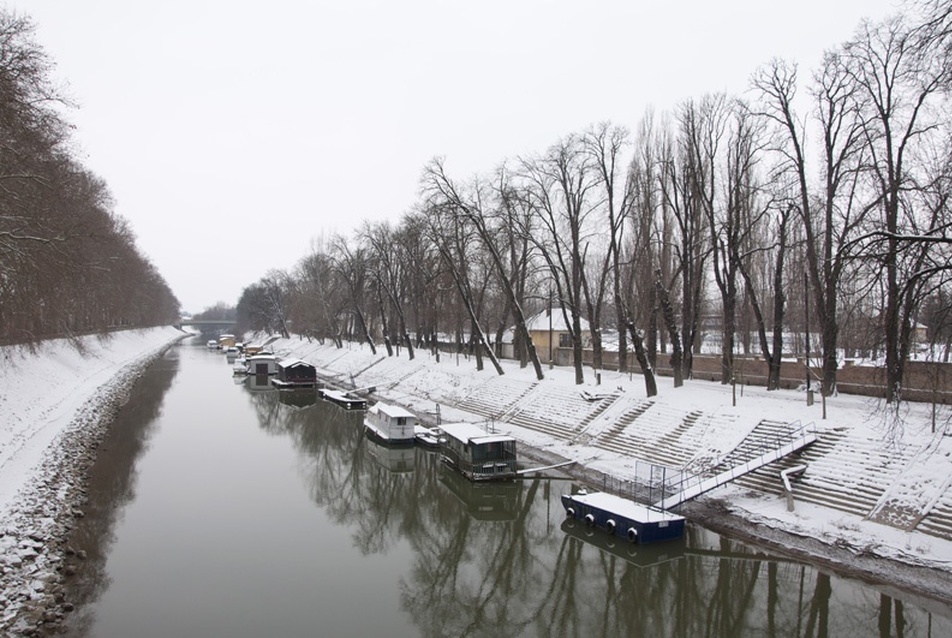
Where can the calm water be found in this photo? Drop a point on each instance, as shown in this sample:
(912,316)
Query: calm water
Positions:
(218,508)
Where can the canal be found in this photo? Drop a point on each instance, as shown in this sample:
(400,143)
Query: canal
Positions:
(221,508)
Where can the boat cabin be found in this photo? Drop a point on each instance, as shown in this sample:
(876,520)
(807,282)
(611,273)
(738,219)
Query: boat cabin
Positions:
(226,341)
(252,349)
(262,364)
(391,424)
(477,454)
(295,373)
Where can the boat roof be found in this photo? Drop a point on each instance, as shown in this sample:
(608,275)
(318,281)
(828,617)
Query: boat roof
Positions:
(470,432)
(393,410)
(293,363)
(625,507)
(259,357)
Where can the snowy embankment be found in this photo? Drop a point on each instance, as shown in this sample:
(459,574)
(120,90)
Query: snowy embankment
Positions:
(55,403)
(874,501)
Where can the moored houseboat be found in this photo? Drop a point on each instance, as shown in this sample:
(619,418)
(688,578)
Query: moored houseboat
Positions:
(343,399)
(295,373)
(262,364)
(477,454)
(622,517)
(391,424)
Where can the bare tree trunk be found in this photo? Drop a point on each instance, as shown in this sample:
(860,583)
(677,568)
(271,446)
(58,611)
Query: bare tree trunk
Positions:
(651,385)
(667,311)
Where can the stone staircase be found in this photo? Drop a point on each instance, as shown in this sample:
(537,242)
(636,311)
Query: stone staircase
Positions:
(938,522)
(554,412)
(638,433)
(496,396)
(871,469)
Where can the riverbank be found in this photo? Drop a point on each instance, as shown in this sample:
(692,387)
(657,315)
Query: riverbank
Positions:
(58,401)
(896,470)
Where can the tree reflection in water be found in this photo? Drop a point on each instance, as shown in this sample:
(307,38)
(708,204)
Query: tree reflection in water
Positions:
(502,560)
(112,484)
(492,560)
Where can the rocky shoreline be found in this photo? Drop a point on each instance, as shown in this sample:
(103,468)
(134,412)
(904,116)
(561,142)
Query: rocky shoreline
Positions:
(35,557)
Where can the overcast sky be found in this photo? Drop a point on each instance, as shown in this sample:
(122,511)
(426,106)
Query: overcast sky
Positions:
(231,133)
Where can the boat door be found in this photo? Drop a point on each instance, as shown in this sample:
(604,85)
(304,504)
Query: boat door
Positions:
(261,368)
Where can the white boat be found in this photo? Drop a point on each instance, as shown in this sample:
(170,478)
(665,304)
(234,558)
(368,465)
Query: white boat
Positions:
(391,424)
(428,437)
(262,364)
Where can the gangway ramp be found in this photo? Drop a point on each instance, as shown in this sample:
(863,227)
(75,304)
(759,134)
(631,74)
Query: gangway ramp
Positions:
(694,486)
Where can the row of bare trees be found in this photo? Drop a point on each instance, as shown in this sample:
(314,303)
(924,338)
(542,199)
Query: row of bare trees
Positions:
(68,265)
(750,219)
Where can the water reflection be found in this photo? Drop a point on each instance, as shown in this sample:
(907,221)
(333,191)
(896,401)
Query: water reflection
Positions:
(499,559)
(298,398)
(485,501)
(396,458)
(470,559)
(112,483)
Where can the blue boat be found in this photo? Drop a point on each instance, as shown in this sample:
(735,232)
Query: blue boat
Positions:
(622,517)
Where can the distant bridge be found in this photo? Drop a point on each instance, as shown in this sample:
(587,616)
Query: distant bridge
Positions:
(207,324)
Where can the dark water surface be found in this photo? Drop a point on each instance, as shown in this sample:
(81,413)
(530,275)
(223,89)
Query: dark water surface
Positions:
(220,508)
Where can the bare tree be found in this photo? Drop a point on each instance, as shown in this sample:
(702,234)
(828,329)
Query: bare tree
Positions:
(691,248)
(897,91)
(830,212)
(452,234)
(472,205)
(350,263)
(558,186)
(389,267)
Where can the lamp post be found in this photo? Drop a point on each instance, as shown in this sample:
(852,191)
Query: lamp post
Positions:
(806,319)
(550,327)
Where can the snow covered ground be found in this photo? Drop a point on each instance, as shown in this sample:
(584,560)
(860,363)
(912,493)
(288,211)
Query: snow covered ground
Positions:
(55,403)
(872,500)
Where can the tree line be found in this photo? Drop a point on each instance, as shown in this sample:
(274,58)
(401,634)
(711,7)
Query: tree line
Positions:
(68,264)
(814,205)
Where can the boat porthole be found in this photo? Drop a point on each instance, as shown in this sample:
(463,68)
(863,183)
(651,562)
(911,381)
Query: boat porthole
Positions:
(570,511)
(610,526)
(632,534)
(589,519)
